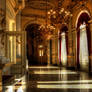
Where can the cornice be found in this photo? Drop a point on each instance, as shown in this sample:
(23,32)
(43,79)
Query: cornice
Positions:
(33,15)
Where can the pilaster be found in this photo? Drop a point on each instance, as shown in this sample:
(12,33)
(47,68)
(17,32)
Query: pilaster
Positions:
(55,48)
(70,62)
(48,52)
(74,47)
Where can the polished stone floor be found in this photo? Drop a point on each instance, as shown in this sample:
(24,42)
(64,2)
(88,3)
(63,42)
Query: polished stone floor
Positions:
(54,79)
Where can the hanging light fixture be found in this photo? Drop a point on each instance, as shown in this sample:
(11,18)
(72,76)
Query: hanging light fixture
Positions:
(59,15)
(47,29)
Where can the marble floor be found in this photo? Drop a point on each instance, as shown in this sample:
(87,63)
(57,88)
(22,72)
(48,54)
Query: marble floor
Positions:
(53,79)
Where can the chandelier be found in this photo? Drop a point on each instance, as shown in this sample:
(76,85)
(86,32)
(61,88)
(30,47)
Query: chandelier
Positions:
(47,29)
(59,16)
(54,17)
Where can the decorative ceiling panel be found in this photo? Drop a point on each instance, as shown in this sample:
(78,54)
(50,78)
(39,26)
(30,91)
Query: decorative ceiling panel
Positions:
(40,4)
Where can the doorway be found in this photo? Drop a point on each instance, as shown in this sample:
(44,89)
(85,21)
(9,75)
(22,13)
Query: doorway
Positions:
(36,49)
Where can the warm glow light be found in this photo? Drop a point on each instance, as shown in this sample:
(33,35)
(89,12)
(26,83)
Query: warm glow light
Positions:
(20,85)
(48,12)
(10,89)
(65,86)
(11,48)
(20,90)
(40,46)
(63,50)
(37,67)
(66,82)
(12,42)
(54,72)
(40,54)
(11,25)
(62,9)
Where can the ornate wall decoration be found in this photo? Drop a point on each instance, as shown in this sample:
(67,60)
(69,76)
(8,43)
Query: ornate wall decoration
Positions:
(40,5)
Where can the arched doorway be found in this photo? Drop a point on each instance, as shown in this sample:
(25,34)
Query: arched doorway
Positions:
(63,45)
(83,41)
(35,45)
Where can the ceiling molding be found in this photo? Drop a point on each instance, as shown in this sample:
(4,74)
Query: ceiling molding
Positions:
(40,5)
(33,15)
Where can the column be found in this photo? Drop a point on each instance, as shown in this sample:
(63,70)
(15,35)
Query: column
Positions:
(53,51)
(70,62)
(55,48)
(48,52)
(74,47)
(90,57)
(18,28)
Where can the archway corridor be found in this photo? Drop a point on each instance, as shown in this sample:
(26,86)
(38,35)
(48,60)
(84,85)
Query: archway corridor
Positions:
(36,46)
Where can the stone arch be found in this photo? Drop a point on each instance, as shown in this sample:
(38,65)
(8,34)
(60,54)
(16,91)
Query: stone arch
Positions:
(32,22)
(79,14)
(34,41)
(31,43)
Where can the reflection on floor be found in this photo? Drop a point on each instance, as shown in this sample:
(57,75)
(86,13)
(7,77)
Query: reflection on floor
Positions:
(52,79)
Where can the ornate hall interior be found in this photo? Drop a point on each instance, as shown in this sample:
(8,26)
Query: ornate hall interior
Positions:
(45,45)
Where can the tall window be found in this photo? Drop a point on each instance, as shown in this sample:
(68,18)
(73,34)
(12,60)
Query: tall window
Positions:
(83,54)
